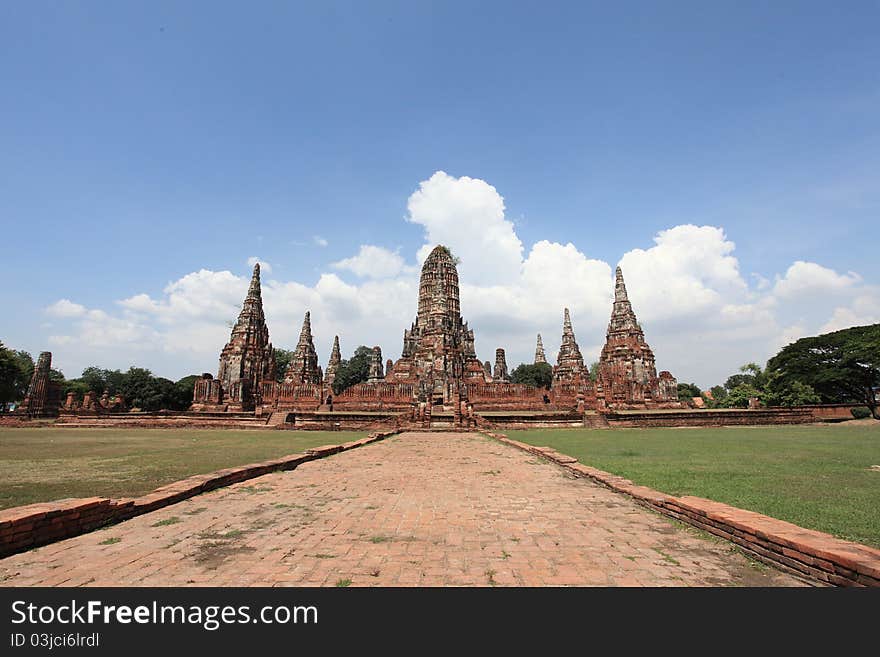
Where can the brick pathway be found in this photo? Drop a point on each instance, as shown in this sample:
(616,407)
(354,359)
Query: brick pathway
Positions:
(415,509)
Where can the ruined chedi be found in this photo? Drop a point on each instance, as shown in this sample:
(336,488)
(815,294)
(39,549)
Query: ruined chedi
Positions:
(303,367)
(627,371)
(247,358)
(333,363)
(569,363)
(43,396)
(500,374)
(539,352)
(376,372)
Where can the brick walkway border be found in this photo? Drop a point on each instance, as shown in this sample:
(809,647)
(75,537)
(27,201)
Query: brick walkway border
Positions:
(782,544)
(26,527)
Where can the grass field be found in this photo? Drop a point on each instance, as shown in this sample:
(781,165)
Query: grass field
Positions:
(814,476)
(38,465)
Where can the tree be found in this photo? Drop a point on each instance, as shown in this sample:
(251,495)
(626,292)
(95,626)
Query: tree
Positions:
(10,375)
(282,361)
(751,374)
(740,395)
(789,393)
(183,392)
(594,370)
(539,375)
(16,370)
(354,370)
(147,392)
(841,367)
(98,380)
(687,392)
(719,393)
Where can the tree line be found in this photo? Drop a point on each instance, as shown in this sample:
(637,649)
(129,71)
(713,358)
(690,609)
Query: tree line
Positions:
(832,368)
(139,386)
(841,367)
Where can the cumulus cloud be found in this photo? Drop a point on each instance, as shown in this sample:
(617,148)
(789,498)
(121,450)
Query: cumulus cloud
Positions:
(808,279)
(265,267)
(689,270)
(373,262)
(66,308)
(467,214)
(701,316)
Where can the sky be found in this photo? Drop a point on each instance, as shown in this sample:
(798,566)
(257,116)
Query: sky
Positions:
(726,155)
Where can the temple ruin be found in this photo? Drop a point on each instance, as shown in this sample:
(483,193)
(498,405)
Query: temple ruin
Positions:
(438,370)
(437,375)
(43,396)
(627,372)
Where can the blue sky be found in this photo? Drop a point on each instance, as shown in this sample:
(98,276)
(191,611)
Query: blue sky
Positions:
(142,143)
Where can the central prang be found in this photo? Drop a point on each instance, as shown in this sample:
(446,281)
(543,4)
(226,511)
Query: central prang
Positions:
(438,349)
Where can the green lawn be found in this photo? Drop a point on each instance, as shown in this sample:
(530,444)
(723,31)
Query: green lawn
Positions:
(814,476)
(38,465)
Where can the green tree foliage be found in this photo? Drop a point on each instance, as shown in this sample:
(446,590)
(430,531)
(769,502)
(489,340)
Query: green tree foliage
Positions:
(139,386)
(739,396)
(11,378)
(687,391)
(77,386)
(594,370)
(184,392)
(843,366)
(719,393)
(781,392)
(539,375)
(353,370)
(282,361)
(98,380)
(750,374)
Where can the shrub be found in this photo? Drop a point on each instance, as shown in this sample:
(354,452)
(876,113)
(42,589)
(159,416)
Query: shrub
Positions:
(860,412)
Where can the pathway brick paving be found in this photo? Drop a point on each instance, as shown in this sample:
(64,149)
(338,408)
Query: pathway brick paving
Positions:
(426,509)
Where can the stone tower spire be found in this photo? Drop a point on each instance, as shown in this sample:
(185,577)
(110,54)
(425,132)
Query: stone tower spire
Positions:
(438,284)
(570,363)
(43,397)
(619,286)
(376,373)
(438,349)
(500,373)
(626,364)
(248,357)
(254,291)
(622,315)
(539,352)
(333,363)
(303,366)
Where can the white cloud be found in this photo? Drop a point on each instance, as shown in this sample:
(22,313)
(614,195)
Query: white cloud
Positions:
(373,262)
(467,215)
(66,308)
(701,316)
(864,309)
(265,267)
(689,271)
(808,279)
(319,241)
